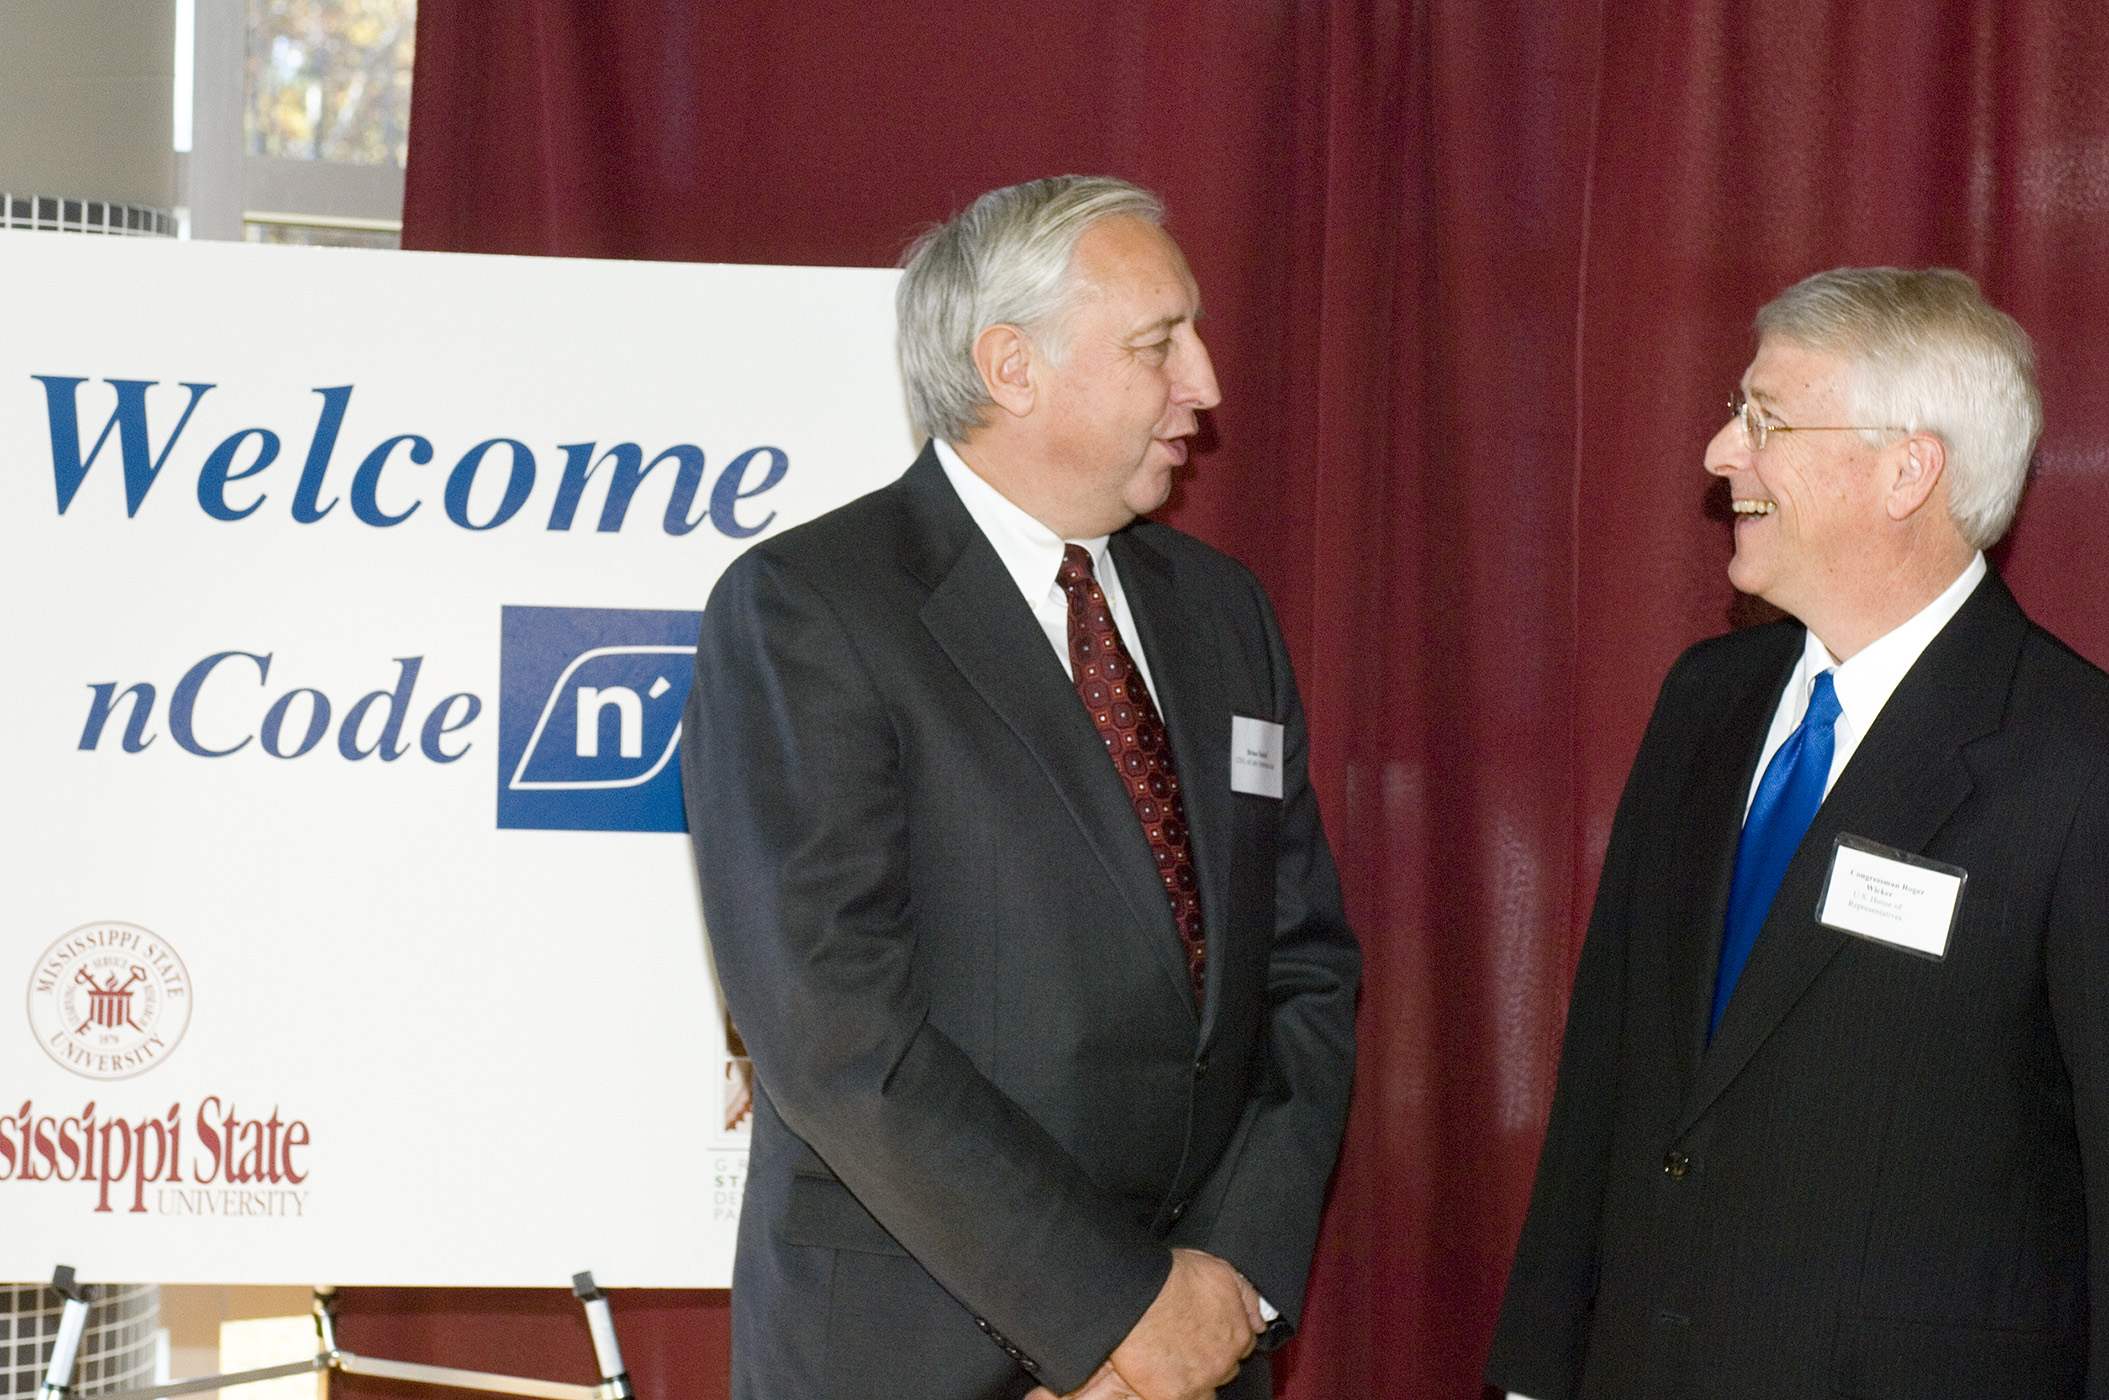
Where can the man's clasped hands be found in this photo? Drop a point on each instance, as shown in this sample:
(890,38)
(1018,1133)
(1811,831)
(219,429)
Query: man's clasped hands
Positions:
(1204,1321)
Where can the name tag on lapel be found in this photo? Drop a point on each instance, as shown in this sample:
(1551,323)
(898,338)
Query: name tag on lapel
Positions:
(1255,756)
(1890,896)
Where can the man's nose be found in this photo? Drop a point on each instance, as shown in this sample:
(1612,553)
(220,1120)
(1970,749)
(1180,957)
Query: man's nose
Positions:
(1727,452)
(1196,385)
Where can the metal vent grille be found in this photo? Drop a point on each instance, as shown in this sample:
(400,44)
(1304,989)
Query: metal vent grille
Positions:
(117,1348)
(56,214)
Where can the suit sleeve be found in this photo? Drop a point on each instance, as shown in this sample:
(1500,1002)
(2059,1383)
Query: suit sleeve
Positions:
(1543,1329)
(2077,968)
(792,777)
(1264,1199)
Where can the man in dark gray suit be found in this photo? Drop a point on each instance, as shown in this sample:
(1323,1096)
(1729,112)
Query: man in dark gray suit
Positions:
(1012,870)
(1833,1106)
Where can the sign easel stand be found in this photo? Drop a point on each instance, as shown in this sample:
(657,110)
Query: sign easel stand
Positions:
(614,1384)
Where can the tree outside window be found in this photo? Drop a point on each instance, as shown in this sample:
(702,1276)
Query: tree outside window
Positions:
(330,79)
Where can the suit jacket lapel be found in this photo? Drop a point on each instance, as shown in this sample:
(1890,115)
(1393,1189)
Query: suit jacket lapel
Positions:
(1711,811)
(1184,654)
(976,614)
(1904,781)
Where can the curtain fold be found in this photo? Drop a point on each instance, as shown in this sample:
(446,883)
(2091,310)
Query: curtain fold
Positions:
(1479,276)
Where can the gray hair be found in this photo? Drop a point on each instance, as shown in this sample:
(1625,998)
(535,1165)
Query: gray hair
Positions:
(1004,261)
(1929,354)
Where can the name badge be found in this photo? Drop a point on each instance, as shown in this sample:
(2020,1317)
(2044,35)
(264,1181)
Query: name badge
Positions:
(1255,756)
(1890,896)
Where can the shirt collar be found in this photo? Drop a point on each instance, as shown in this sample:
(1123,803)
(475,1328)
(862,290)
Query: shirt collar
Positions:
(1029,550)
(1866,682)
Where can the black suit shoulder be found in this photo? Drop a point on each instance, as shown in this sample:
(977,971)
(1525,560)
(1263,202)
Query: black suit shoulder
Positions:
(1205,561)
(1709,680)
(849,545)
(1731,662)
(2051,673)
(2053,737)
(1207,579)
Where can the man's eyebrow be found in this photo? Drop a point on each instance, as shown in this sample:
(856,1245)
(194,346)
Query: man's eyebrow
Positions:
(1165,323)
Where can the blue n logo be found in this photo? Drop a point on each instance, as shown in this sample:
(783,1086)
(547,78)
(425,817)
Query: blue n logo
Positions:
(589,714)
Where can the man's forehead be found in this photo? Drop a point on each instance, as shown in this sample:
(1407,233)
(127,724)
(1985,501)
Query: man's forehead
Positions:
(1131,254)
(1783,366)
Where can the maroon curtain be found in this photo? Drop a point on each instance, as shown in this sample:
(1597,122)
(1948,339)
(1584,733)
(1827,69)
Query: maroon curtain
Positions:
(1479,277)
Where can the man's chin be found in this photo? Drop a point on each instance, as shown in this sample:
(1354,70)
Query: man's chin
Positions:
(1746,574)
(1149,491)
(1764,584)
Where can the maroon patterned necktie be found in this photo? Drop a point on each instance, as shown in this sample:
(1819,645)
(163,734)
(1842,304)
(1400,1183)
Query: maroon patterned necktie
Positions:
(1112,688)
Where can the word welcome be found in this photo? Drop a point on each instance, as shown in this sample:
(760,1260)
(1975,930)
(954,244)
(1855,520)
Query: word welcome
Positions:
(383,491)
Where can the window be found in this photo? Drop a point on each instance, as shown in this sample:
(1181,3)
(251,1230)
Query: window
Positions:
(313,152)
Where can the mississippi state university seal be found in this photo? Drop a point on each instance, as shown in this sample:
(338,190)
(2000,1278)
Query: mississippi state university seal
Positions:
(109,1000)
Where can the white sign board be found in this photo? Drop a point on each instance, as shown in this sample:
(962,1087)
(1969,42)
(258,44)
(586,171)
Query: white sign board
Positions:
(345,914)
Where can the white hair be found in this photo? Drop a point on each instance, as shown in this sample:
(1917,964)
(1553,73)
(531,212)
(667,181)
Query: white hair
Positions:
(1004,261)
(1929,354)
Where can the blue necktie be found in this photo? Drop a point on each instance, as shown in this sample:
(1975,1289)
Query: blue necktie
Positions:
(1786,802)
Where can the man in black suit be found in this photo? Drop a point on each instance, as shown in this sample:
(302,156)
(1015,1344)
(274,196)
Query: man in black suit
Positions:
(1012,870)
(1833,1104)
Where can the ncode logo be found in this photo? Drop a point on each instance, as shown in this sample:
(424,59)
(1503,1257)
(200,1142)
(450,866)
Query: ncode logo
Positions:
(589,712)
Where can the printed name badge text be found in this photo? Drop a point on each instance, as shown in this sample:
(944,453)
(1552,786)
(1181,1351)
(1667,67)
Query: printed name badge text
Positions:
(1891,896)
(1255,757)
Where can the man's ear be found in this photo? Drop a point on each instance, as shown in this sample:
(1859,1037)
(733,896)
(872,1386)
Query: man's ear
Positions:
(1917,464)
(1004,358)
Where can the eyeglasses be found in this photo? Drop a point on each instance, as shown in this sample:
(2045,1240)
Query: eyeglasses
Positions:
(1755,429)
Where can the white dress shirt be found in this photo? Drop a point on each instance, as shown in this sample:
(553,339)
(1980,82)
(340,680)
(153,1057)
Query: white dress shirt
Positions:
(1864,685)
(1033,555)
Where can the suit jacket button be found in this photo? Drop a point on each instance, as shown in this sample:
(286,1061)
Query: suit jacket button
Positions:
(1178,1210)
(1200,1066)
(1675,1165)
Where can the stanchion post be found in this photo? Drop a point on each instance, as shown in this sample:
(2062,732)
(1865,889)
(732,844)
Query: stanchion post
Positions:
(607,1352)
(325,1308)
(58,1377)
